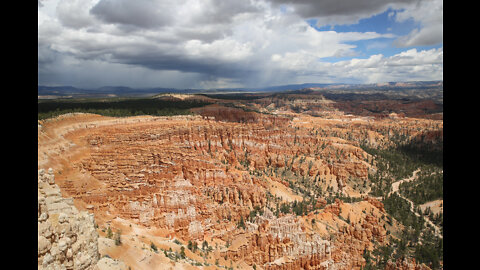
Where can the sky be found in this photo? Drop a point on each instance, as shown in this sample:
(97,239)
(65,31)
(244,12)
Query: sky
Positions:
(233,43)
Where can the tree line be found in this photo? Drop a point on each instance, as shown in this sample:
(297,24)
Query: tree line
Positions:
(118,107)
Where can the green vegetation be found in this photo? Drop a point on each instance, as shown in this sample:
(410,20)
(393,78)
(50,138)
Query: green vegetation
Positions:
(241,224)
(431,251)
(436,219)
(205,245)
(424,189)
(417,240)
(175,256)
(153,247)
(182,252)
(399,161)
(192,246)
(382,255)
(391,163)
(426,153)
(109,233)
(399,208)
(117,107)
(256,211)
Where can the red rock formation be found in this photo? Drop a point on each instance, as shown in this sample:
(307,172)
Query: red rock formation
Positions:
(193,177)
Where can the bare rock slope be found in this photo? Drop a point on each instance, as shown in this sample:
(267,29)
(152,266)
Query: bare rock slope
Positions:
(67,238)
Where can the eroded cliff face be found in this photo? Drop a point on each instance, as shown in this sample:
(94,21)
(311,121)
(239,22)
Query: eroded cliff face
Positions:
(272,242)
(197,179)
(168,174)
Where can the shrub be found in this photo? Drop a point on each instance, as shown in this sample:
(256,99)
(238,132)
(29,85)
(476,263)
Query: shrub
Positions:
(109,233)
(153,247)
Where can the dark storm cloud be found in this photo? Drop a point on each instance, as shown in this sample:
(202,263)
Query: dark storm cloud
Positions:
(156,13)
(340,12)
(46,56)
(152,34)
(183,63)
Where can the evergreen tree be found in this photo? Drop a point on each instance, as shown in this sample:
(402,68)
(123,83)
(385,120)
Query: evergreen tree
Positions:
(182,252)
(241,224)
(205,245)
(190,245)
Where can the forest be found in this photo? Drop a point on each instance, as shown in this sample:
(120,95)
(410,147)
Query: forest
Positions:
(117,107)
(417,240)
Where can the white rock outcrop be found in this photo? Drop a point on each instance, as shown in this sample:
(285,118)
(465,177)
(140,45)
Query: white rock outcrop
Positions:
(67,238)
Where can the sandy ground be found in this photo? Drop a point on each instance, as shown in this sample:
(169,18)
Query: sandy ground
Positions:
(282,191)
(435,206)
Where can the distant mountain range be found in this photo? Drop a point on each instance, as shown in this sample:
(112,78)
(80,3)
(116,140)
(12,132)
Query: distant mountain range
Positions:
(70,91)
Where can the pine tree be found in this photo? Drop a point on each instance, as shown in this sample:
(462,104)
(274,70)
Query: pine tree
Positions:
(182,252)
(190,244)
(241,224)
(205,245)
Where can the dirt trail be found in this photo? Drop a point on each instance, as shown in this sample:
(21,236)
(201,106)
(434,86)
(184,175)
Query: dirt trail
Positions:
(395,187)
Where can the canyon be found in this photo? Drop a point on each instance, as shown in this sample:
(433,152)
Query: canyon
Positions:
(227,179)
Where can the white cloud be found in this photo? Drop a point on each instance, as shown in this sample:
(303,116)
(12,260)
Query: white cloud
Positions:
(225,49)
(406,66)
(409,65)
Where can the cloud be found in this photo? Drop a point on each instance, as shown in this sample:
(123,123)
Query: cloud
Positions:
(416,65)
(140,13)
(341,12)
(409,65)
(430,35)
(220,11)
(64,69)
(75,13)
(211,42)
(429,15)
